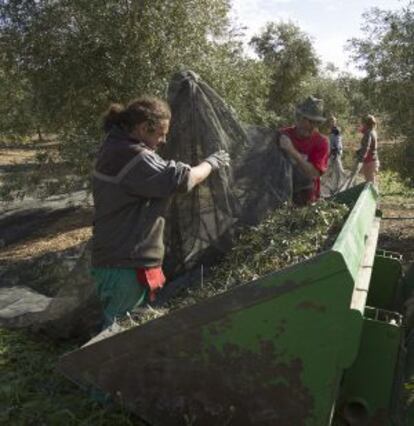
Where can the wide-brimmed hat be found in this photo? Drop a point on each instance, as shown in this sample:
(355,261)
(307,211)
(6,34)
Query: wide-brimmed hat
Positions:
(311,108)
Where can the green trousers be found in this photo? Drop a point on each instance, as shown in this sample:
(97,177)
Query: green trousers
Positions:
(118,290)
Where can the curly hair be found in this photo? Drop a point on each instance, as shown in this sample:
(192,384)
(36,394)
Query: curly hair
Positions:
(145,109)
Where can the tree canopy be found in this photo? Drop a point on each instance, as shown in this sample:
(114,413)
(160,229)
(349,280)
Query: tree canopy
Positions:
(386,54)
(62,62)
(292,60)
(86,53)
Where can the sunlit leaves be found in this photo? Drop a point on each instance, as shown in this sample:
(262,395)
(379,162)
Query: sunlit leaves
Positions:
(291,58)
(386,53)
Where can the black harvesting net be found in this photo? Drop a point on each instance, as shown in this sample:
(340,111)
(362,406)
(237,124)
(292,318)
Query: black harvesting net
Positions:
(261,177)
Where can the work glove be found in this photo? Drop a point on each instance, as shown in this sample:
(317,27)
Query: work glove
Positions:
(218,160)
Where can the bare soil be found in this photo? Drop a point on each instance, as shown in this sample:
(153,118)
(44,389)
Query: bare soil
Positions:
(10,156)
(54,235)
(397,225)
(67,232)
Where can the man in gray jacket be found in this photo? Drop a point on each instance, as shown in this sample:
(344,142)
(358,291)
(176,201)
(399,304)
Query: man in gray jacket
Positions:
(132,186)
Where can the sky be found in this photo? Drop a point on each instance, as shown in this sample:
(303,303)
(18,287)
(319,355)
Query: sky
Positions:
(329,23)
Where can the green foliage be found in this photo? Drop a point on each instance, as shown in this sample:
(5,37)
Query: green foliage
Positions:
(398,156)
(64,61)
(391,183)
(287,236)
(385,53)
(78,56)
(17,105)
(243,82)
(291,59)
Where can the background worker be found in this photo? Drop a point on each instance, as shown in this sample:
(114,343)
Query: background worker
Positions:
(132,186)
(335,143)
(367,154)
(308,149)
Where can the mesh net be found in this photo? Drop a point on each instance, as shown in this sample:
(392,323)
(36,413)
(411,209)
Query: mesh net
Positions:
(260,178)
(335,179)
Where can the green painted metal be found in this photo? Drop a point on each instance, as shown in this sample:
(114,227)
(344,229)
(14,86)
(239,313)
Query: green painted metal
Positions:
(385,281)
(271,352)
(284,340)
(310,328)
(369,383)
(352,238)
(408,292)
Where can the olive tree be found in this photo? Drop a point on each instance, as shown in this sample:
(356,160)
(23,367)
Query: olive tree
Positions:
(74,57)
(292,61)
(386,53)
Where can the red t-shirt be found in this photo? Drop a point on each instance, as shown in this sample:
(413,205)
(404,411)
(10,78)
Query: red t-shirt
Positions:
(314,149)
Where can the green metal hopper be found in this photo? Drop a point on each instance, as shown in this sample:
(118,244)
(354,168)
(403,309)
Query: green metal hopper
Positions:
(299,346)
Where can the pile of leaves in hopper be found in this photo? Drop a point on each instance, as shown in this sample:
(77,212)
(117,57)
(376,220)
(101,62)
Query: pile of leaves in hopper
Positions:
(287,236)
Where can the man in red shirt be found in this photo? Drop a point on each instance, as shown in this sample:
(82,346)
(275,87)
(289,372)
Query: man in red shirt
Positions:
(308,150)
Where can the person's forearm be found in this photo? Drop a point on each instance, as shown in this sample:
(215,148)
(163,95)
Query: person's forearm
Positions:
(305,166)
(198,174)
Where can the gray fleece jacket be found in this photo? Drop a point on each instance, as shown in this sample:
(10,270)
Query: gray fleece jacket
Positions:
(132,187)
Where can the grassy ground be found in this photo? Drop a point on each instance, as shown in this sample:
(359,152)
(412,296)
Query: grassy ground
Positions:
(33,393)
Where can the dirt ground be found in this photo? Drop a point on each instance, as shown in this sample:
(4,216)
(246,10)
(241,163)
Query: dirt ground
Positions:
(10,156)
(57,234)
(397,226)
(67,232)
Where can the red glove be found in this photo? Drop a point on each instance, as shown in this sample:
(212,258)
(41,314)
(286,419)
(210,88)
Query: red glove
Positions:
(152,278)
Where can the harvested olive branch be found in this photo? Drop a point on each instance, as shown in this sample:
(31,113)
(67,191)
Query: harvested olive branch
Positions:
(287,236)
